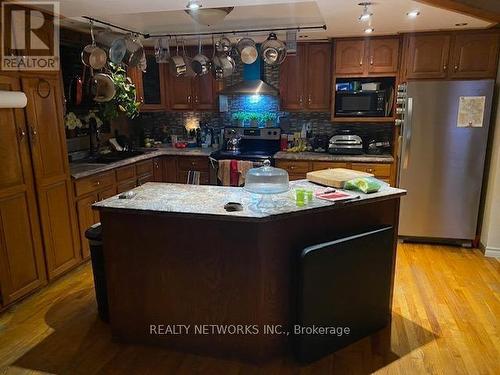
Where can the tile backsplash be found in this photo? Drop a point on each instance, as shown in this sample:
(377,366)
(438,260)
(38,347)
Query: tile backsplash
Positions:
(161,125)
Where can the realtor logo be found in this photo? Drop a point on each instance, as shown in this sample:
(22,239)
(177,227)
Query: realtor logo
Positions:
(30,37)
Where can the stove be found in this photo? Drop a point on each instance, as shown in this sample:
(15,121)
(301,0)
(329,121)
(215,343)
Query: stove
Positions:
(252,144)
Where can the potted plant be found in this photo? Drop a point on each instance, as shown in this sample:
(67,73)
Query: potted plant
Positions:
(124,102)
(254,119)
(239,118)
(269,119)
(72,123)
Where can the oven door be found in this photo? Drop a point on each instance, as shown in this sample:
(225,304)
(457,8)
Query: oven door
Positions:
(359,104)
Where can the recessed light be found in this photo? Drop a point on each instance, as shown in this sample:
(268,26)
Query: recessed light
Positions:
(413,14)
(369,30)
(461,24)
(365,15)
(194,4)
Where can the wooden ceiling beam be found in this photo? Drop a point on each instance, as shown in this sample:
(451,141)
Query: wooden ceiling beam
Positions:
(487,10)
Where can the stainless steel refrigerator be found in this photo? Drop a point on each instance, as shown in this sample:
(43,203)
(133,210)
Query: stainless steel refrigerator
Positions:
(441,165)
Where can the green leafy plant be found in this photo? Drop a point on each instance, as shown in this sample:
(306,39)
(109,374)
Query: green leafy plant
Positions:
(254,116)
(124,101)
(240,116)
(268,116)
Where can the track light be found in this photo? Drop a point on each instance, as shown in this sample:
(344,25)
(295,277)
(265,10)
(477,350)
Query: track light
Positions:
(413,14)
(365,15)
(194,4)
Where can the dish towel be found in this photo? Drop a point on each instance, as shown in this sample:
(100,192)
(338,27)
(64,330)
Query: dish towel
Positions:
(234,173)
(193,178)
(243,167)
(224,172)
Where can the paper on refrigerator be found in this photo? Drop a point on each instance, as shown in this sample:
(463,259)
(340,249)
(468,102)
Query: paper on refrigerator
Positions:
(471,111)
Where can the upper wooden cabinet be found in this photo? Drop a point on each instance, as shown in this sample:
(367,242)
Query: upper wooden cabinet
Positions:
(451,55)
(474,56)
(366,56)
(151,85)
(350,56)
(305,79)
(198,93)
(427,56)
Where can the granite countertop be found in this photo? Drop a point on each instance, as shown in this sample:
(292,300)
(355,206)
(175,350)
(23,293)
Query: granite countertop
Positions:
(307,156)
(83,169)
(206,200)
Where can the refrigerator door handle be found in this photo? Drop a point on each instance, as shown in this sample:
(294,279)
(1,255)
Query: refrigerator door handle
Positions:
(407,133)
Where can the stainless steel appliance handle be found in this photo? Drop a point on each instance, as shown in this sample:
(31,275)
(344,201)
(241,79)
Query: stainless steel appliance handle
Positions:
(407,133)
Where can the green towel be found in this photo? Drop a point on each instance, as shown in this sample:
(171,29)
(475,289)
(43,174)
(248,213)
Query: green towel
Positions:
(363,184)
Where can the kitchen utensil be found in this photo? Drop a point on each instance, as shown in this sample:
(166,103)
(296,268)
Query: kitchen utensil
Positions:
(223,45)
(162,50)
(103,88)
(75,91)
(222,66)
(114,42)
(346,144)
(247,50)
(335,177)
(267,180)
(92,55)
(143,64)
(273,50)
(200,63)
(134,52)
(177,65)
(187,60)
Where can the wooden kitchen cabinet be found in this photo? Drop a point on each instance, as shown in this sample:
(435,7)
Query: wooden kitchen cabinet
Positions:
(44,113)
(350,56)
(383,55)
(427,55)
(305,79)
(180,94)
(151,86)
(158,173)
(86,217)
(367,56)
(204,93)
(297,170)
(474,55)
(22,266)
(193,163)
(170,169)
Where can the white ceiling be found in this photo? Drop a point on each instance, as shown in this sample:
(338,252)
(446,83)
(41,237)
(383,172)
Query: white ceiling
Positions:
(340,16)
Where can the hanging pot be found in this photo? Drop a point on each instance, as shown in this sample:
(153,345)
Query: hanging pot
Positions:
(187,60)
(222,66)
(200,63)
(177,64)
(162,50)
(93,56)
(223,45)
(103,88)
(247,50)
(134,52)
(114,42)
(273,50)
(75,91)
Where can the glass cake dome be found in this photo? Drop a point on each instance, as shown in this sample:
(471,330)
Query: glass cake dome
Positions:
(266,180)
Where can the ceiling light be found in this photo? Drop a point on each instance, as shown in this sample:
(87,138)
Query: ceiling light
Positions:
(365,15)
(369,30)
(194,4)
(209,16)
(413,14)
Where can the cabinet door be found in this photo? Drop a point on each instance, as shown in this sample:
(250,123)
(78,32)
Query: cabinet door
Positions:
(158,169)
(318,76)
(474,56)
(22,267)
(170,169)
(50,163)
(86,218)
(180,94)
(205,92)
(292,93)
(383,55)
(427,56)
(153,85)
(350,56)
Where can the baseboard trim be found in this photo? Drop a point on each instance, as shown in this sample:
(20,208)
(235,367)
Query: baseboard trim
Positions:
(493,252)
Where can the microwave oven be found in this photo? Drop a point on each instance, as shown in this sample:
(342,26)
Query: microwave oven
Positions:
(360,103)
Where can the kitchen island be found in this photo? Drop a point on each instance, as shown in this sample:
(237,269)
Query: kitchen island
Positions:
(184,273)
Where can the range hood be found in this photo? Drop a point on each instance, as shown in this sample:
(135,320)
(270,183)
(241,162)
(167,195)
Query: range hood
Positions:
(252,83)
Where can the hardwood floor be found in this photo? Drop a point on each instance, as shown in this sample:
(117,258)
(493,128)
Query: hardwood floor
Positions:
(445,321)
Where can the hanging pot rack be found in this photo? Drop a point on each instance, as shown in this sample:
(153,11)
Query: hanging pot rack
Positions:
(208,33)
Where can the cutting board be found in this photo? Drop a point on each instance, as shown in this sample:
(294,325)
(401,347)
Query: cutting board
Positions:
(335,177)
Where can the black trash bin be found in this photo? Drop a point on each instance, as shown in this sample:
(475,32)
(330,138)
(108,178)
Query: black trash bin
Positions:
(94,235)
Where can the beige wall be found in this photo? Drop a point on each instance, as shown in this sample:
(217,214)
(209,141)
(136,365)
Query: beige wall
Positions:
(490,231)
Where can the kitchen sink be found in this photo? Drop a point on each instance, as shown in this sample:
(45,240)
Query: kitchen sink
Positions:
(113,157)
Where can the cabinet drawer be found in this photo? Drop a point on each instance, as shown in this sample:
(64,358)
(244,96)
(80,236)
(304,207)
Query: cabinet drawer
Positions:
(125,186)
(144,168)
(379,170)
(125,173)
(183,175)
(149,177)
(319,165)
(193,163)
(93,183)
(294,167)
(296,176)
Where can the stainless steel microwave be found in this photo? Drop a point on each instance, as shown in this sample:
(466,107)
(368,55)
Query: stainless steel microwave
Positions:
(360,103)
